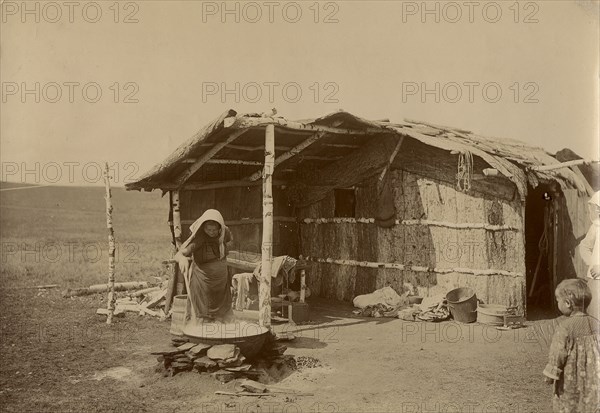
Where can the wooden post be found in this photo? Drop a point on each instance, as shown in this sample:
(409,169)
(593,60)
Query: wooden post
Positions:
(176,219)
(175,225)
(555,240)
(111,247)
(264,295)
(302,285)
(179,284)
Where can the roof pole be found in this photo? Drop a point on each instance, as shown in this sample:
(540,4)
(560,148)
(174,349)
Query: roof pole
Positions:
(264,295)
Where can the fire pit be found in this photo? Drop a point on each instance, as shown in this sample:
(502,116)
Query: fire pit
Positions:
(249,337)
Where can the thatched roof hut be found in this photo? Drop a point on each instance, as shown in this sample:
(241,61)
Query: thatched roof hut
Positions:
(375,203)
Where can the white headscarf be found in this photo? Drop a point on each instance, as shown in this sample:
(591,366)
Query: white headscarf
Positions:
(209,215)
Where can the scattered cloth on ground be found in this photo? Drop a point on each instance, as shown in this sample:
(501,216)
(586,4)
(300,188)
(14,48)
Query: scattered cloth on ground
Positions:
(409,314)
(434,309)
(384,302)
(386,295)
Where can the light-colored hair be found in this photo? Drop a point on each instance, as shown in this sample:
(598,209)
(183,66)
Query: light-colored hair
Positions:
(576,291)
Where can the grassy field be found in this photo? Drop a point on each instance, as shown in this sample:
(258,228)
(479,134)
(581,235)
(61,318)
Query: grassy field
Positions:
(58,235)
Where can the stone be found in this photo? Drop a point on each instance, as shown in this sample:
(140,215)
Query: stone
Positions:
(222,352)
(253,386)
(198,350)
(242,368)
(224,376)
(179,365)
(205,364)
(186,346)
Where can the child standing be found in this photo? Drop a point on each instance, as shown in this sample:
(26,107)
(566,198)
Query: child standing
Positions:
(574,359)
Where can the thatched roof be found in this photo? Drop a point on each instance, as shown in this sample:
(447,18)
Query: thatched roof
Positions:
(231,148)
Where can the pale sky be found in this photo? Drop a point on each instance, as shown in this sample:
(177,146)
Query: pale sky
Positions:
(375,61)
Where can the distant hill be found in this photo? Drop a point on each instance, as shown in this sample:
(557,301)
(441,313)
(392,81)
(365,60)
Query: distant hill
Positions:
(80,209)
(58,235)
(4,185)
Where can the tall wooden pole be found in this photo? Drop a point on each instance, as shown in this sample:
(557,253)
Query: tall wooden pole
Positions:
(264,295)
(111,247)
(179,285)
(175,218)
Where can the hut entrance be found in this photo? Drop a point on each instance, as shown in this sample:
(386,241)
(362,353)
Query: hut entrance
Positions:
(540,251)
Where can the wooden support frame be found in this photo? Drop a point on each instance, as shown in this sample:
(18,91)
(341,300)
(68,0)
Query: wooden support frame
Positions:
(174,281)
(192,169)
(250,122)
(233,162)
(250,148)
(191,186)
(249,221)
(110,302)
(264,293)
(292,152)
(392,157)
(567,164)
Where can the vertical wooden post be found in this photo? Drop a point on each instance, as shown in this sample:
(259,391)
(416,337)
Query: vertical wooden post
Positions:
(176,219)
(555,240)
(179,284)
(302,285)
(264,295)
(111,247)
(175,224)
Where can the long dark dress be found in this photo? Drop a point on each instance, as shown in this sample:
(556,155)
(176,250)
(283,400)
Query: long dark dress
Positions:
(210,287)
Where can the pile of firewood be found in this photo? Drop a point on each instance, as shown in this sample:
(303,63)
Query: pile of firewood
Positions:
(148,301)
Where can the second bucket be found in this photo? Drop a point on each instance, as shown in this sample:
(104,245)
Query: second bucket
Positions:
(178,315)
(462,303)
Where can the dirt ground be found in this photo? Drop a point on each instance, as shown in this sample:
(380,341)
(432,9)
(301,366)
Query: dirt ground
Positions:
(57,356)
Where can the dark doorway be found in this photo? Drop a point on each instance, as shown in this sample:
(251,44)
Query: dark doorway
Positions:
(540,251)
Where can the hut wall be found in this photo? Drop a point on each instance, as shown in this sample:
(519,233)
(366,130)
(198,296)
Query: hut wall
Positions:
(238,204)
(426,198)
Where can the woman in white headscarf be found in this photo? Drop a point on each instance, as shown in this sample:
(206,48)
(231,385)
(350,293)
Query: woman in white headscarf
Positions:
(202,262)
(589,249)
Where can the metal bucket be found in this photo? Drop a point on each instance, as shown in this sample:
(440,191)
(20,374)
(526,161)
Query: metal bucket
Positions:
(178,315)
(492,314)
(462,303)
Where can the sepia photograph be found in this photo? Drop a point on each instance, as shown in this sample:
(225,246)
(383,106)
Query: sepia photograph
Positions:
(304,206)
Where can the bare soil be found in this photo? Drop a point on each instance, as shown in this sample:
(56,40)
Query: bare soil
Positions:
(57,356)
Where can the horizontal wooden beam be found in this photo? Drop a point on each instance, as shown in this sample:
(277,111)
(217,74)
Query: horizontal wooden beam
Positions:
(415,268)
(560,165)
(233,162)
(412,222)
(341,145)
(247,221)
(248,148)
(198,186)
(249,122)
